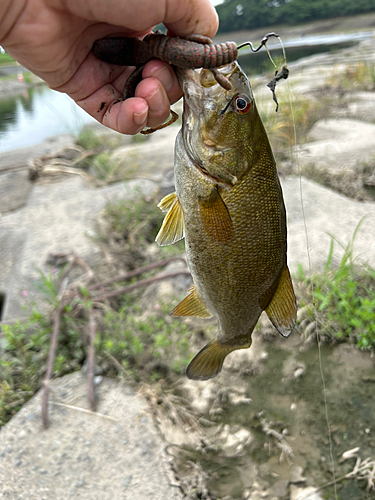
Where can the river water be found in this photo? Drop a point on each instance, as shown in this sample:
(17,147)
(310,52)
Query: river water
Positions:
(37,114)
(40,113)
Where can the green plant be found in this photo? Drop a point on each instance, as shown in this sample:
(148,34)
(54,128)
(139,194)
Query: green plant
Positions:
(344,298)
(23,358)
(27,77)
(296,115)
(98,140)
(360,76)
(6,58)
(147,346)
(130,227)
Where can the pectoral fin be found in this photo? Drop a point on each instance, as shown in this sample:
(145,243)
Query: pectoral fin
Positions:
(172,228)
(216,217)
(209,361)
(282,309)
(166,203)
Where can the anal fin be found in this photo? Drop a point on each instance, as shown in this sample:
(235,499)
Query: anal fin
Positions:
(172,228)
(282,309)
(216,217)
(192,305)
(209,361)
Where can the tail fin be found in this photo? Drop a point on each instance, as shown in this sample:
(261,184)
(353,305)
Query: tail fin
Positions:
(209,361)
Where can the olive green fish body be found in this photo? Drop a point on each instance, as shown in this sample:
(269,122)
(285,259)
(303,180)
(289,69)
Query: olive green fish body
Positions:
(232,277)
(230,204)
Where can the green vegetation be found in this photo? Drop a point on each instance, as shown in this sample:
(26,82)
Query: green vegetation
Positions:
(23,358)
(359,76)
(296,115)
(145,343)
(342,299)
(249,14)
(130,228)
(104,165)
(105,168)
(97,140)
(6,59)
(146,348)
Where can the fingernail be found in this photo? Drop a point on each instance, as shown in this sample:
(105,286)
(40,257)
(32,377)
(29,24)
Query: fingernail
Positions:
(140,117)
(164,75)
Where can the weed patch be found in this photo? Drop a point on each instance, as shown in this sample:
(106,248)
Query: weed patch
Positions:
(6,59)
(342,298)
(296,114)
(129,228)
(146,345)
(89,138)
(359,76)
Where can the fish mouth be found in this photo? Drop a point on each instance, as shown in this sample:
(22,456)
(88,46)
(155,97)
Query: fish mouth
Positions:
(202,94)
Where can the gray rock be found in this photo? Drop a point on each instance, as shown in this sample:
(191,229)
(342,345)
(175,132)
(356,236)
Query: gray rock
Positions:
(362,106)
(154,158)
(15,188)
(104,469)
(56,218)
(338,145)
(326,213)
(279,489)
(20,157)
(308,493)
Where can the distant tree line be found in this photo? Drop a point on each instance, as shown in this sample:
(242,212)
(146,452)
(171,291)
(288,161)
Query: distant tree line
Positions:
(249,14)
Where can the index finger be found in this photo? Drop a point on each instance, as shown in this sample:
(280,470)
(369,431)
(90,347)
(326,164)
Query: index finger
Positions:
(182,17)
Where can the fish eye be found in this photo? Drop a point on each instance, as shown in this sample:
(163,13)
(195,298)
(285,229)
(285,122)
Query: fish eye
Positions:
(242,104)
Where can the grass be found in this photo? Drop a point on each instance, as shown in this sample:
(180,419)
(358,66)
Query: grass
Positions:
(105,166)
(23,358)
(6,59)
(342,298)
(147,348)
(359,76)
(147,344)
(97,140)
(129,229)
(296,115)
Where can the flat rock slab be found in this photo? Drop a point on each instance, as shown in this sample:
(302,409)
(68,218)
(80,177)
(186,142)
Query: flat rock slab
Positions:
(58,217)
(338,145)
(10,160)
(152,157)
(82,455)
(325,213)
(15,187)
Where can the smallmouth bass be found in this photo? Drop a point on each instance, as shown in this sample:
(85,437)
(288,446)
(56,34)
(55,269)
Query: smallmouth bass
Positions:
(229,207)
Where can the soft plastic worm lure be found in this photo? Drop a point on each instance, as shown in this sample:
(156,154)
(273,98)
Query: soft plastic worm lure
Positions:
(193,51)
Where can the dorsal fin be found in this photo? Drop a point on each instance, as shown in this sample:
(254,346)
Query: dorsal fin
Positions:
(172,228)
(192,305)
(282,309)
(216,217)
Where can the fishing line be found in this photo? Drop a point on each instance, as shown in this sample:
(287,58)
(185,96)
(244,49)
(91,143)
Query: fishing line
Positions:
(318,340)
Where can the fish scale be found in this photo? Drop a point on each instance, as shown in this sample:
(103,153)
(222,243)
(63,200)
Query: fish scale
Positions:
(229,207)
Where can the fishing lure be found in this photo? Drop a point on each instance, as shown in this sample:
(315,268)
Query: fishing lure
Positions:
(193,51)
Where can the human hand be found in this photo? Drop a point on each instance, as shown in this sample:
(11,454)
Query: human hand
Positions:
(54,38)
